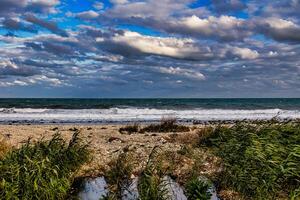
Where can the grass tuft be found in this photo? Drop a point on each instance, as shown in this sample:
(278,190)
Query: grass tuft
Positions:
(166,125)
(42,170)
(118,177)
(130,129)
(4,147)
(151,183)
(196,188)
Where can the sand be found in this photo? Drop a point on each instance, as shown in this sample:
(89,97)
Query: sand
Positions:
(105,141)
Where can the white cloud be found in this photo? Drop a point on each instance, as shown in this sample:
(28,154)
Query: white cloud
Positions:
(244,53)
(88,14)
(98,5)
(182,72)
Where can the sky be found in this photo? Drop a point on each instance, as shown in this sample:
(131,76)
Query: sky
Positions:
(149,48)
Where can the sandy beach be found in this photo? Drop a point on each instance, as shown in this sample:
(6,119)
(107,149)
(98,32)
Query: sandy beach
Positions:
(105,141)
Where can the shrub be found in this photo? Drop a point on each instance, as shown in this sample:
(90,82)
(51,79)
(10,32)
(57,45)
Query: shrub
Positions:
(129,129)
(166,125)
(42,170)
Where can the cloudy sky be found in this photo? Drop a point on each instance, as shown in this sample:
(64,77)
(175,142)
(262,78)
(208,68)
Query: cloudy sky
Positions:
(149,48)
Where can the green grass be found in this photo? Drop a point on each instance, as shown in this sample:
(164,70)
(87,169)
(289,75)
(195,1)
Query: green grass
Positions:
(197,189)
(151,185)
(118,176)
(261,161)
(42,170)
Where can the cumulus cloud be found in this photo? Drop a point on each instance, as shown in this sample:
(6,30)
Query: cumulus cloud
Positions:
(151,45)
(133,43)
(280,29)
(223,27)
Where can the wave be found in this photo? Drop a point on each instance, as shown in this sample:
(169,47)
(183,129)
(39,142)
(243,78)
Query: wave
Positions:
(139,114)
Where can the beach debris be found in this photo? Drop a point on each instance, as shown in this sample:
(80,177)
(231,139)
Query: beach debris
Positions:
(94,189)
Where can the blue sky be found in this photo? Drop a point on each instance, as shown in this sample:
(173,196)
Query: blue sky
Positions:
(149,48)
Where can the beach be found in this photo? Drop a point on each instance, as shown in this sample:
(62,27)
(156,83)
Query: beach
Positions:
(105,141)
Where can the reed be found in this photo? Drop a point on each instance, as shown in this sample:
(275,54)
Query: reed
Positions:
(261,160)
(42,170)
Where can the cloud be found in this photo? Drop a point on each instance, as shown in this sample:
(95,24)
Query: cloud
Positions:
(8,67)
(118,1)
(51,26)
(223,27)
(134,44)
(228,5)
(182,72)
(87,15)
(98,5)
(19,7)
(16,25)
(279,29)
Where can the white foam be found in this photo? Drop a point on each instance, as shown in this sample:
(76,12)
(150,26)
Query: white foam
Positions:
(141,114)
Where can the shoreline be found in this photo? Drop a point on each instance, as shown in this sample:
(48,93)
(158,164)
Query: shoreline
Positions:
(146,122)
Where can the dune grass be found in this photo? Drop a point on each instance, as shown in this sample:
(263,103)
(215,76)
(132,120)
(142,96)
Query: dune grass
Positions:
(261,161)
(151,182)
(130,129)
(42,170)
(119,174)
(4,147)
(166,125)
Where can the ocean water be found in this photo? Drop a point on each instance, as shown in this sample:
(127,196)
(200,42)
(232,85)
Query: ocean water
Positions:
(144,110)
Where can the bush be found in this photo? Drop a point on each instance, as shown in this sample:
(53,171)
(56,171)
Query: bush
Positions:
(129,129)
(261,161)
(42,170)
(166,125)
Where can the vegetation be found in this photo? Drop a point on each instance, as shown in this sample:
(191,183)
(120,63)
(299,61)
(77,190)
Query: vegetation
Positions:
(4,147)
(151,182)
(198,189)
(118,177)
(261,161)
(42,170)
(130,129)
(166,125)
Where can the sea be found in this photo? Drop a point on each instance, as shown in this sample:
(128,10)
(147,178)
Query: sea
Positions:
(41,111)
